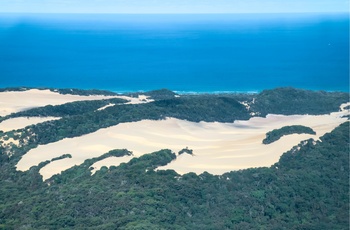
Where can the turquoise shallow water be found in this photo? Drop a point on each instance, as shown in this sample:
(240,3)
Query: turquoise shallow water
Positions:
(198,53)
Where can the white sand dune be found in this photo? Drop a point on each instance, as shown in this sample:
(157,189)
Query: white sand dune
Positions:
(217,147)
(21,122)
(15,101)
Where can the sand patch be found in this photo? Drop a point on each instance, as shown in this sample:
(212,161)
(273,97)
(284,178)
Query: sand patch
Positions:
(106,106)
(10,141)
(217,147)
(15,101)
(21,122)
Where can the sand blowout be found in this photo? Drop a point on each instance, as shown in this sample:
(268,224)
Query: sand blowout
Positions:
(217,147)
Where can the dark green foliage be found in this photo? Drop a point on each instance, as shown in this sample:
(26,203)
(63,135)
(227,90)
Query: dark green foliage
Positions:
(204,108)
(186,150)
(84,92)
(290,101)
(118,153)
(161,94)
(276,134)
(43,164)
(112,153)
(19,89)
(348,116)
(68,109)
(61,157)
(82,171)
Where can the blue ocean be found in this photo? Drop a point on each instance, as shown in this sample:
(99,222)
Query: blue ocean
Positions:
(184,53)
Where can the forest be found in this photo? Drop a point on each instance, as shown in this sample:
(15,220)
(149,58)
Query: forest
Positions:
(308,188)
(276,134)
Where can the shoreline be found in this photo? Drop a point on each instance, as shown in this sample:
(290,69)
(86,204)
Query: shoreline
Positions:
(177,91)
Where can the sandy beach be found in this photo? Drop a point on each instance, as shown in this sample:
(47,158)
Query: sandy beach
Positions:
(217,147)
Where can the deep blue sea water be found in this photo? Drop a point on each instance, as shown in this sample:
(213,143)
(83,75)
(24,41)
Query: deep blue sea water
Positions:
(198,53)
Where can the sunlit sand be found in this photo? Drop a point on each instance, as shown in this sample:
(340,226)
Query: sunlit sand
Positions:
(15,101)
(217,147)
(21,122)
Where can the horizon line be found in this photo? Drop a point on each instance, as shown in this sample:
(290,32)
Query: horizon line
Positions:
(180,13)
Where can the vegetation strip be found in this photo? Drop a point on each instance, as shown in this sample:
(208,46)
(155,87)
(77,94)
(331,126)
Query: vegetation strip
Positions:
(276,134)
